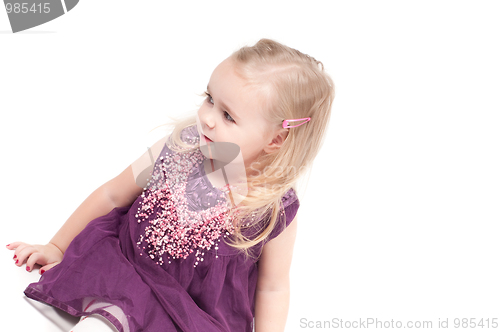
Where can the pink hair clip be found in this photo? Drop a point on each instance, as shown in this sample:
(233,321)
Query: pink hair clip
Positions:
(285,122)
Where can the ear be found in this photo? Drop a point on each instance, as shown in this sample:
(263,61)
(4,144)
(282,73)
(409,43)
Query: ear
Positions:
(277,141)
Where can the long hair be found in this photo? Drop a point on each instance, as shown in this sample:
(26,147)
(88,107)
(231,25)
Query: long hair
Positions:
(294,85)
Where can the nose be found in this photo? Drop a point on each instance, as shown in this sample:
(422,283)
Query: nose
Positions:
(207,119)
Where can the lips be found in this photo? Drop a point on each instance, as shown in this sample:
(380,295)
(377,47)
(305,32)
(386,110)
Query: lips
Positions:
(208,139)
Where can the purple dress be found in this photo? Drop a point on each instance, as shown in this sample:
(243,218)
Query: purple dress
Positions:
(162,263)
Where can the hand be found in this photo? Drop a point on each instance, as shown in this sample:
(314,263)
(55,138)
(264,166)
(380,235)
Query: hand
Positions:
(47,255)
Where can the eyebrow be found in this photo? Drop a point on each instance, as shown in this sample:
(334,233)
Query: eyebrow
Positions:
(233,115)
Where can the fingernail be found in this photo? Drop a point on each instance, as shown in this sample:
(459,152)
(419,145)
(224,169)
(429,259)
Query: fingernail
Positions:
(15,256)
(17,261)
(8,245)
(27,268)
(42,271)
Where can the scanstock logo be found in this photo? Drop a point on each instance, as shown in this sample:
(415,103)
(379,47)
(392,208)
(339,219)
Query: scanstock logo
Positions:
(25,14)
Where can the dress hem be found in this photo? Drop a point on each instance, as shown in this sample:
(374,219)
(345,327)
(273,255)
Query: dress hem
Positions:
(41,297)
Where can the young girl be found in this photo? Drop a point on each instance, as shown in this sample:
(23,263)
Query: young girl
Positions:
(197,234)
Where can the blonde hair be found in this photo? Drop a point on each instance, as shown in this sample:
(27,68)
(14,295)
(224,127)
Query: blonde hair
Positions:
(294,85)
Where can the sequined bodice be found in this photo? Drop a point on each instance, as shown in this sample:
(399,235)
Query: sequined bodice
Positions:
(184,212)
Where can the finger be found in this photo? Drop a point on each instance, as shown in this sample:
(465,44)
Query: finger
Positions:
(24,254)
(47,267)
(33,259)
(19,247)
(13,245)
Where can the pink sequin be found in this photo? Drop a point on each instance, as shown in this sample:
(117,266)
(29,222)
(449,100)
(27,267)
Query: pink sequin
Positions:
(175,231)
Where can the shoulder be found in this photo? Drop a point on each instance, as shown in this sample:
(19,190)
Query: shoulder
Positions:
(290,198)
(190,134)
(143,166)
(291,205)
(288,211)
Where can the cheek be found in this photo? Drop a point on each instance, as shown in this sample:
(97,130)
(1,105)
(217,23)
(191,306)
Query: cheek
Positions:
(250,149)
(204,107)
(201,109)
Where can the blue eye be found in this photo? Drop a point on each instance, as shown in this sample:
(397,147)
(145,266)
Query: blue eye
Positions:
(228,117)
(209,98)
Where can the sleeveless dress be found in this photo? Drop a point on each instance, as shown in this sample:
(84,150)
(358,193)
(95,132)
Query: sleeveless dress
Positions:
(162,263)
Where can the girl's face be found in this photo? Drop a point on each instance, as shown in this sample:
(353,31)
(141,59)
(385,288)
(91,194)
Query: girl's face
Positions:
(233,112)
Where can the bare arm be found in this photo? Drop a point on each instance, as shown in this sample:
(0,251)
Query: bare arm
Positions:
(119,191)
(273,286)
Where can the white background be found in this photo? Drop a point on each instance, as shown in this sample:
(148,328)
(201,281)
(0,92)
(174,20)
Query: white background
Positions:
(399,218)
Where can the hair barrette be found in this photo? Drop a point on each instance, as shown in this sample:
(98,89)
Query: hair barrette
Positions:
(286,122)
